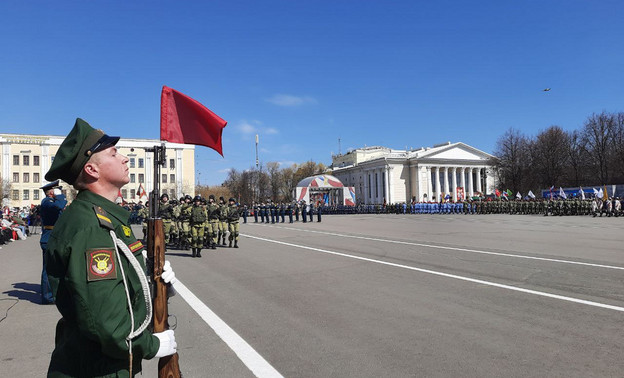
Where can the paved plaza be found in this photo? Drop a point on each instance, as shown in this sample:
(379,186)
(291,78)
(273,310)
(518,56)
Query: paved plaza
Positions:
(374,296)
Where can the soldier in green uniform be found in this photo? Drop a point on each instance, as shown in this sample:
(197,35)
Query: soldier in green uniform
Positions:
(165,211)
(223,223)
(197,219)
(212,210)
(144,214)
(185,222)
(96,267)
(233,215)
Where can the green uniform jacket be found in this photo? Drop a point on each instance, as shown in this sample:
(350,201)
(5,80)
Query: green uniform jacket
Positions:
(89,292)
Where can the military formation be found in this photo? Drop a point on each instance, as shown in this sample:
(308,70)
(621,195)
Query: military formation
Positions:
(273,212)
(196,223)
(553,207)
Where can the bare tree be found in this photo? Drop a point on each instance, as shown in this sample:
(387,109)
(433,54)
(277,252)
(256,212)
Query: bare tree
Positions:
(597,134)
(550,156)
(5,188)
(513,153)
(274,179)
(618,147)
(576,158)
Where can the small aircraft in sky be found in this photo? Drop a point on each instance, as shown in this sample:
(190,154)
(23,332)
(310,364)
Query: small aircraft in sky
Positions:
(546,90)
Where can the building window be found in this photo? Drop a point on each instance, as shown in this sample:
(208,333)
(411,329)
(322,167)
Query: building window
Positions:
(172,178)
(164,178)
(132,177)
(26,159)
(36,160)
(52,158)
(15,177)
(141,178)
(35,195)
(164,191)
(140,162)
(26,178)
(131,162)
(35,177)
(132,194)
(26,194)
(15,159)
(124,193)
(171,163)
(16,195)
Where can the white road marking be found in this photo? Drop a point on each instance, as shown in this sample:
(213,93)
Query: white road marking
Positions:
(248,355)
(442,274)
(455,248)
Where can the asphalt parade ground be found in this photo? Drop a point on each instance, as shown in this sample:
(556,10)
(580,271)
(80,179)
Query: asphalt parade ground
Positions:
(374,296)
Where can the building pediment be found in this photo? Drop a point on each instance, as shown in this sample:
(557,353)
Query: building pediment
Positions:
(456,151)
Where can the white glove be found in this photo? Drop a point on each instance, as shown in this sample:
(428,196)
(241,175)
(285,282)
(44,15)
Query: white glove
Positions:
(168,275)
(57,191)
(168,344)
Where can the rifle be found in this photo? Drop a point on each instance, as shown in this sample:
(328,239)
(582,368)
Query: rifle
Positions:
(167,366)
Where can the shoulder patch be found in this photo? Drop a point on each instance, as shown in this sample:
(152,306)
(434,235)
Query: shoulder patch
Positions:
(101,265)
(126,230)
(103,218)
(136,246)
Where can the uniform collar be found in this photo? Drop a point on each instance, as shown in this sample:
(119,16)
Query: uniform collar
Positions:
(110,207)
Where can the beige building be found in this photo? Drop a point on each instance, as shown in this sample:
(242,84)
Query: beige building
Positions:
(25,159)
(383,175)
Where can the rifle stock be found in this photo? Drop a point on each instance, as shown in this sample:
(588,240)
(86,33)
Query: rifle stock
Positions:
(167,366)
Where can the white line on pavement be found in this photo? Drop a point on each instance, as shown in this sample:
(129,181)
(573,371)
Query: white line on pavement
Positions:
(254,361)
(488,283)
(455,248)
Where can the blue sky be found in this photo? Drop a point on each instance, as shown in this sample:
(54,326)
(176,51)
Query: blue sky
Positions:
(302,74)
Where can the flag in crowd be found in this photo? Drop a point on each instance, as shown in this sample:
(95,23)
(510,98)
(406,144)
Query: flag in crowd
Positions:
(605,196)
(582,193)
(562,194)
(518,195)
(531,194)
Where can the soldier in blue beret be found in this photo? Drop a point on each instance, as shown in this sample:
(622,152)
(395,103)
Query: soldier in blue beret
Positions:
(52,206)
(96,267)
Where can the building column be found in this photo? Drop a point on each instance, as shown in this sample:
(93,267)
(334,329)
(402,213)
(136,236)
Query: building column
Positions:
(462,181)
(387,183)
(446,182)
(471,187)
(454,186)
(429,185)
(437,182)
(479,180)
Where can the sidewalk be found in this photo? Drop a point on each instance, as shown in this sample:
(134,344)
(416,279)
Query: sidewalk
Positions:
(27,331)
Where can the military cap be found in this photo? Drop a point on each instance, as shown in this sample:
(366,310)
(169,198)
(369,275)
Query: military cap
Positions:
(79,145)
(232,200)
(211,196)
(52,185)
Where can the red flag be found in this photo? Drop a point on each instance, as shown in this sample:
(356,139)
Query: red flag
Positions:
(184,120)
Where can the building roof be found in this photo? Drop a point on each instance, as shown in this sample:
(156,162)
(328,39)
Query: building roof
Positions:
(320,181)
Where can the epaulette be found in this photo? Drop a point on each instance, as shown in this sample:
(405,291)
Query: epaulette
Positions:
(103,217)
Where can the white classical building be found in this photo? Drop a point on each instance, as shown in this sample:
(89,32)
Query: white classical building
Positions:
(381,174)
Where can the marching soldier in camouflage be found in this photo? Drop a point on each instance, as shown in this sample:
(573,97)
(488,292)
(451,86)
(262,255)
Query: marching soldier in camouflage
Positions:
(223,223)
(212,210)
(165,211)
(233,216)
(143,213)
(185,223)
(197,220)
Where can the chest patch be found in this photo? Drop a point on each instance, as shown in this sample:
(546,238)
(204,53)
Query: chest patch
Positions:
(101,265)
